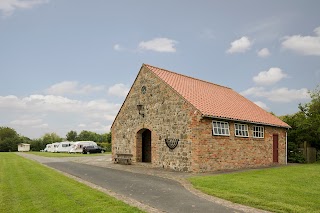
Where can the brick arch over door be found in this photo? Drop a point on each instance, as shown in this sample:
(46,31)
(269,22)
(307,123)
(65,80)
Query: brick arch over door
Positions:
(143,146)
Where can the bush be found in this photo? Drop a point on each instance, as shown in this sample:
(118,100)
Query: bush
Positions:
(296,156)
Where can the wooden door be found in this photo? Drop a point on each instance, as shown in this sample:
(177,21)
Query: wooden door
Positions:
(146,146)
(275,148)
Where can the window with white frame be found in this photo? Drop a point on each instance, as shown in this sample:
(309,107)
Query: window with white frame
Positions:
(241,130)
(258,131)
(220,128)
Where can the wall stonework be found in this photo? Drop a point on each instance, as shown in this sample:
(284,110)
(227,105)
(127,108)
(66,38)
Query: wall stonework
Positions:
(168,115)
(165,115)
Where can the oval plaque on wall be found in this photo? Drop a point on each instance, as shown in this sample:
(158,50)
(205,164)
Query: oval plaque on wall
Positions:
(172,142)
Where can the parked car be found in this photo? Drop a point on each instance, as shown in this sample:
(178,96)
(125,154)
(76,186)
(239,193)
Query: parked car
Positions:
(92,149)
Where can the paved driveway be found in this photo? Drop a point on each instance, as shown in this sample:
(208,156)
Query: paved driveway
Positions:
(160,193)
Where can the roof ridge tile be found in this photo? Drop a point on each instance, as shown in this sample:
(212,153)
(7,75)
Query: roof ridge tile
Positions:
(148,65)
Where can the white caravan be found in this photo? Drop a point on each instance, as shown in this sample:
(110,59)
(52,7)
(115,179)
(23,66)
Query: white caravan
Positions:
(77,147)
(64,146)
(51,147)
(48,147)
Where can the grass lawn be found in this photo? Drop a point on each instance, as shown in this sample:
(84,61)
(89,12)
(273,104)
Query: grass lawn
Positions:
(281,189)
(55,154)
(26,186)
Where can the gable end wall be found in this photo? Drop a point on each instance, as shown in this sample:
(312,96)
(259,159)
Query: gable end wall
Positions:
(167,115)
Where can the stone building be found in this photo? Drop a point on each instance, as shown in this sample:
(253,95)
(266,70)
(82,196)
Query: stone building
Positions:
(178,122)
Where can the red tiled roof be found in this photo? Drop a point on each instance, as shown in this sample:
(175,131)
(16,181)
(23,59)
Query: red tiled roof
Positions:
(216,101)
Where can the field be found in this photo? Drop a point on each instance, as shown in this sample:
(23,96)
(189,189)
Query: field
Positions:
(26,186)
(281,189)
(55,154)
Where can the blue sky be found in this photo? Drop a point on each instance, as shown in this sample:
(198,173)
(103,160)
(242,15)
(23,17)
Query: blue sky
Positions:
(68,65)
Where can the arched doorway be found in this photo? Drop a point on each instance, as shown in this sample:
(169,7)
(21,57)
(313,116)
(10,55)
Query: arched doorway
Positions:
(144,146)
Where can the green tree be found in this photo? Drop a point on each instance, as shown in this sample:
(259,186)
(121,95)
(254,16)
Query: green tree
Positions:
(88,136)
(106,137)
(51,138)
(311,114)
(305,125)
(296,136)
(37,144)
(9,139)
(72,136)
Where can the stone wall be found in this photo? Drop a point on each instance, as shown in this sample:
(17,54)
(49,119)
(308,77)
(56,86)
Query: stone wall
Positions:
(166,115)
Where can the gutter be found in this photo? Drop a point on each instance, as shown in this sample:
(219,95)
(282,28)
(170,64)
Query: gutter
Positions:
(286,147)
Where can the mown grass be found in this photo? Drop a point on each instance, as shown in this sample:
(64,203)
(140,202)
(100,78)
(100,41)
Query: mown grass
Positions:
(26,186)
(281,189)
(64,154)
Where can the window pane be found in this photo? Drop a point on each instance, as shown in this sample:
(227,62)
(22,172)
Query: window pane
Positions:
(220,128)
(241,130)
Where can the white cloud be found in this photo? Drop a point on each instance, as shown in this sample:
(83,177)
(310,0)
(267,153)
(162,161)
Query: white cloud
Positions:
(72,87)
(253,91)
(272,76)
(159,45)
(51,103)
(27,122)
(94,127)
(11,101)
(35,115)
(43,104)
(240,46)
(262,105)
(263,53)
(119,90)
(41,126)
(278,95)
(117,47)
(33,123)
(305,45)
(9,6)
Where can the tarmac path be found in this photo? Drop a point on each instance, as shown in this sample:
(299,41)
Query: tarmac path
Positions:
(162,194)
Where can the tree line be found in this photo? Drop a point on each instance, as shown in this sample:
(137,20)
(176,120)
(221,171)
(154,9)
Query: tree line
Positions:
(305,127)
(9,139)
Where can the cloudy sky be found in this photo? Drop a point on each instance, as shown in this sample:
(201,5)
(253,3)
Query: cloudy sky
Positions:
(68,65)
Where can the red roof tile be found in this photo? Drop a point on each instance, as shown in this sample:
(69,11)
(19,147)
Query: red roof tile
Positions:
(217,101)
